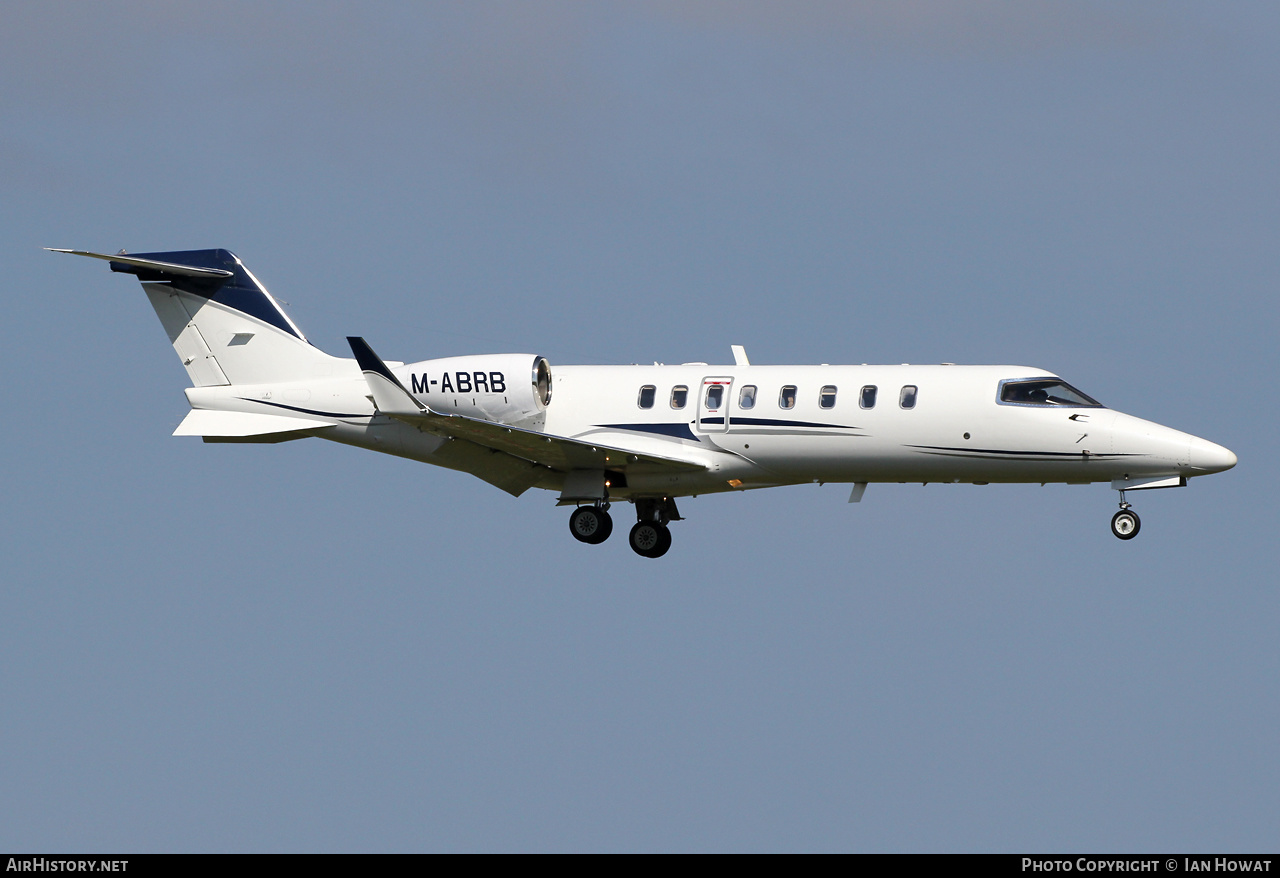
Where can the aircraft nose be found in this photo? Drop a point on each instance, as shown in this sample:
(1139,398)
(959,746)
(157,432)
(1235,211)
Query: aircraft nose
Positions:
(1210,458)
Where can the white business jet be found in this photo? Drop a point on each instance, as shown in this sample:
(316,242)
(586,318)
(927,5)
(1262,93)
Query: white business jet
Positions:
(645,434)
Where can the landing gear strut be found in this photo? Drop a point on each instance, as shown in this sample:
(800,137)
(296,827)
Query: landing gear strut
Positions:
(1125,524)
(591,524)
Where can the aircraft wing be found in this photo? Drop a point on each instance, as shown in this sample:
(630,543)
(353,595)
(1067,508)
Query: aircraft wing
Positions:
(559,453)
(556,452)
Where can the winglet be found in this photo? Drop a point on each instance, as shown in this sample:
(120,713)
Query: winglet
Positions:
(389,394)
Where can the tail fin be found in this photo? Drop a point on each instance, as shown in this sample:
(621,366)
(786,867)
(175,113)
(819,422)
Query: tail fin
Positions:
(225,326)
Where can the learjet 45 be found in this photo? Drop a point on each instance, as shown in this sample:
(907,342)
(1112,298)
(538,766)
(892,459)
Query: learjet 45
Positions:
(648,435)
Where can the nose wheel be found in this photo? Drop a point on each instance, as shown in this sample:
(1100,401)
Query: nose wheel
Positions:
(1125,524)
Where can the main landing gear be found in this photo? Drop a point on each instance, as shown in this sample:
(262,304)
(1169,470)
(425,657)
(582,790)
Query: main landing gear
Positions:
(649,538)
(1125,524)
(591,524)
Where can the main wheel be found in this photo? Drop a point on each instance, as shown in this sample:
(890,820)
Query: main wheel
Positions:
(590,524)
(650,539)
(665,544)
(1125,524)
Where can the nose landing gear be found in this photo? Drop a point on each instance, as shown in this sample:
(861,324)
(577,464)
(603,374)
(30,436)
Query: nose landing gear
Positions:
(1125,524)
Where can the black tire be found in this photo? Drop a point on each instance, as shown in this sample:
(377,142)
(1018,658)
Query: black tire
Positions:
(590,525)
(649,539)
(1125,524)
(665,544)
(606,527)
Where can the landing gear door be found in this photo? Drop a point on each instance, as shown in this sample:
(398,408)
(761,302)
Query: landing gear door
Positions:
(713,405)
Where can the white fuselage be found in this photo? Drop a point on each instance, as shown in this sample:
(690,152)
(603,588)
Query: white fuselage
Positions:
(803,424)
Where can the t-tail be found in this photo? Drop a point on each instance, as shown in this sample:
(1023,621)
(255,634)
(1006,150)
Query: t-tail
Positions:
(225,326)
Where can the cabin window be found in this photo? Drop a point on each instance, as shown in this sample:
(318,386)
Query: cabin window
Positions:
(867,399)
(679,396)
(647,393)
(827,399)
(747,397)
(1048,391)
(715,396)
(907,399)
(787,398)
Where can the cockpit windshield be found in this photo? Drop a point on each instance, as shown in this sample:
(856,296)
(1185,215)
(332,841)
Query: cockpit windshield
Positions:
(1045,391)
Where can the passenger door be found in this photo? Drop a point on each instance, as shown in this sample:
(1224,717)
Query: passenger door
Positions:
(713,405)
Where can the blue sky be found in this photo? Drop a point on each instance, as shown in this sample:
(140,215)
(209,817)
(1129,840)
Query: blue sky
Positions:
(308,647)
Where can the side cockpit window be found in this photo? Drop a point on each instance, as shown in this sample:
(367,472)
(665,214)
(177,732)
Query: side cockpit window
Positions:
(1045,392)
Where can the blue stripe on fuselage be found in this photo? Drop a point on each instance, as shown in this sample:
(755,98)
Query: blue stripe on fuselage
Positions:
(682,431)
(677,431)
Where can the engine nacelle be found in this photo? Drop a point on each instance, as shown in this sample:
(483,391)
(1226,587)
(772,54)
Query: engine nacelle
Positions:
(511,389)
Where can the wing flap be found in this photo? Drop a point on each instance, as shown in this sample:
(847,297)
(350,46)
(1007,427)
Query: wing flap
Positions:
(511,474)
(557,452)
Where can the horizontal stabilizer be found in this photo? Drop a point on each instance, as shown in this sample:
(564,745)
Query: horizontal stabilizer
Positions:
(154,265)
(209,422)
(202,276)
